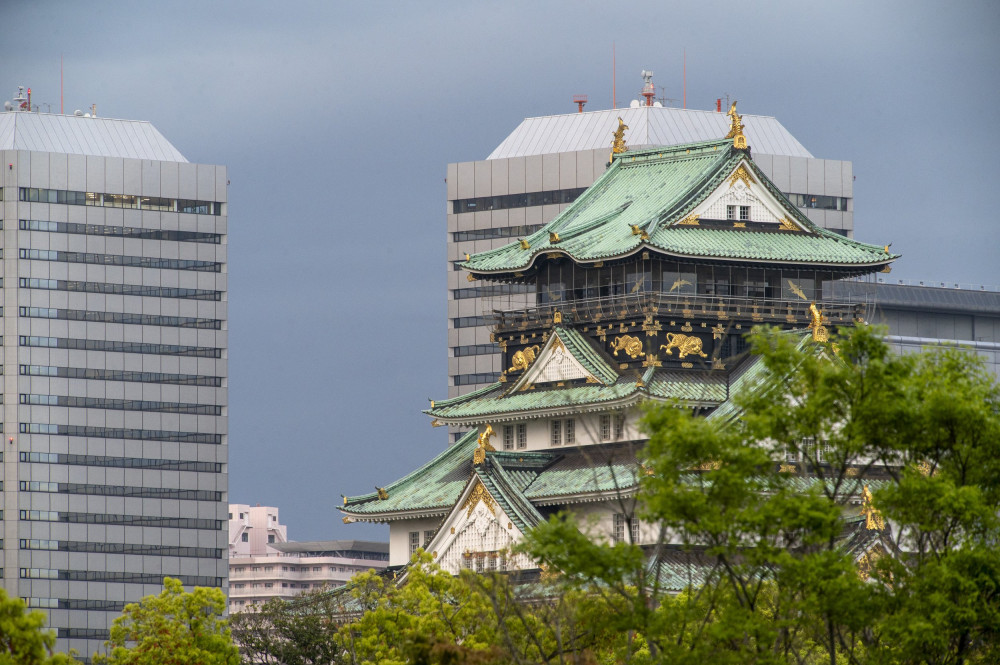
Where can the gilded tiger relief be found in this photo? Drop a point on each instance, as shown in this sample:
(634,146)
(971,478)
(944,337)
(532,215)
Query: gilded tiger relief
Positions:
(523,358)
(629,344)
(685,345)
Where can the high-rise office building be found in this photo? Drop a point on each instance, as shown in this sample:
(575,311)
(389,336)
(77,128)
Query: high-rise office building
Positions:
(546,162)
(113,368)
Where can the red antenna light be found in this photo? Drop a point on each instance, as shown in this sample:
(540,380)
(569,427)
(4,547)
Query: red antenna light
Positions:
(579,100)
(648,91)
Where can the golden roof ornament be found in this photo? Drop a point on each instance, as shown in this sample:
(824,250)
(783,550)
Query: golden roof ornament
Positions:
(820,332)
(479,456)
(736,128)
(618,144)
(874,520)
(382,494)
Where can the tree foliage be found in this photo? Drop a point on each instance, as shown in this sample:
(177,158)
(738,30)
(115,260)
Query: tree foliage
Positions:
(174,628)
(23,640)
(771,579)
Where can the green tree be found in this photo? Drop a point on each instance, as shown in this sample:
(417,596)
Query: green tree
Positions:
(174,628)
(770,578)
(23,641)
(298,631)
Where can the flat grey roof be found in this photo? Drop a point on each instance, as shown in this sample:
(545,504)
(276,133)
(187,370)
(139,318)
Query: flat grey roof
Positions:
(76,135)
(923,298)
(647,126)
(320,546)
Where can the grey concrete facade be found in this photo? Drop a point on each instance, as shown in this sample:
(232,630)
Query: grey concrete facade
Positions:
(114,378)
(472,362)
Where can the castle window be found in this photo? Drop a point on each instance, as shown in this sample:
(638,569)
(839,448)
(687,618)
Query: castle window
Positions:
(508,437)
(744,213)
(621,523)
(427,537)
(619,426)
(522,436)
(414,542)
(570,432)
(605,427)
(556,432)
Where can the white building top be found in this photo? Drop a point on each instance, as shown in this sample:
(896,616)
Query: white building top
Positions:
(647,126)
(80,135)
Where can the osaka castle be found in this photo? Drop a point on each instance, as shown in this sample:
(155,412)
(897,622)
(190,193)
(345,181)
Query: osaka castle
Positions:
(643,289)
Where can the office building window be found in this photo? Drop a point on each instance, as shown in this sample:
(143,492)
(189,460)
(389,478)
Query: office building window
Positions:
(245,537)
(522,435)
(508,437)
(270,537)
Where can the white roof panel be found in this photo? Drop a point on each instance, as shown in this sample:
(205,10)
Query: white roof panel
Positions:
(75,135)
(648,126)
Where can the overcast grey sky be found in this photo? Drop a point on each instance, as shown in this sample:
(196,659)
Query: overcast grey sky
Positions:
(337,120)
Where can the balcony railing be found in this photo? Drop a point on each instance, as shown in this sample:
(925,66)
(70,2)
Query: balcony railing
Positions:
(506,316)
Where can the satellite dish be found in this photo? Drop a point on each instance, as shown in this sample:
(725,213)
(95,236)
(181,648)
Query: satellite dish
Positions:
(634,104)
(657,105)
(78,113)
(7,106)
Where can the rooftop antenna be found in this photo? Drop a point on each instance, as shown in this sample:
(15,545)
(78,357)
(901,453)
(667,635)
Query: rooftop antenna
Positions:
(21,102)
(648,91)
(60,84)
(685,78)
(579,100)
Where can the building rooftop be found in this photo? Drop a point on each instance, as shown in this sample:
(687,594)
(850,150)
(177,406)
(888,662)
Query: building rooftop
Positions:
(647,126)
(654,197)
(80,135)
(339,548)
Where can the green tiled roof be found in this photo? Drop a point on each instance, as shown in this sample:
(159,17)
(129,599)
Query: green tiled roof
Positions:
(492,403)
(651,190)
(435,486)
(588,470)
(507,492)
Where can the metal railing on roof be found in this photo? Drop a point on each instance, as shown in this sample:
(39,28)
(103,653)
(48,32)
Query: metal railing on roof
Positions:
(506,316)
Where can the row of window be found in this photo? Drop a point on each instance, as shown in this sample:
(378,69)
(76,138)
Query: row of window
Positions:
(117,346)
(473,350)
(76,604)
(107,461)
(119,375)
(741,213)
(491,290)
(117,317)
(507,201)
(483,562)
(73,197)
(121,260)
(612,426)
(120,520)
(496,232)
(808,448)
(114,576)
(464,321)
(239,570)
(472,379)
(127,491)
(118,231)
(118,289)
(150,406)
(86,633)
(118,433)
(92,547)
(818,202)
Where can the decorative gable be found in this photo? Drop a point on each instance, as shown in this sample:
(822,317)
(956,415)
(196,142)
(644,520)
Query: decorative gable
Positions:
(554,363)
(478,534)
(741,198)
